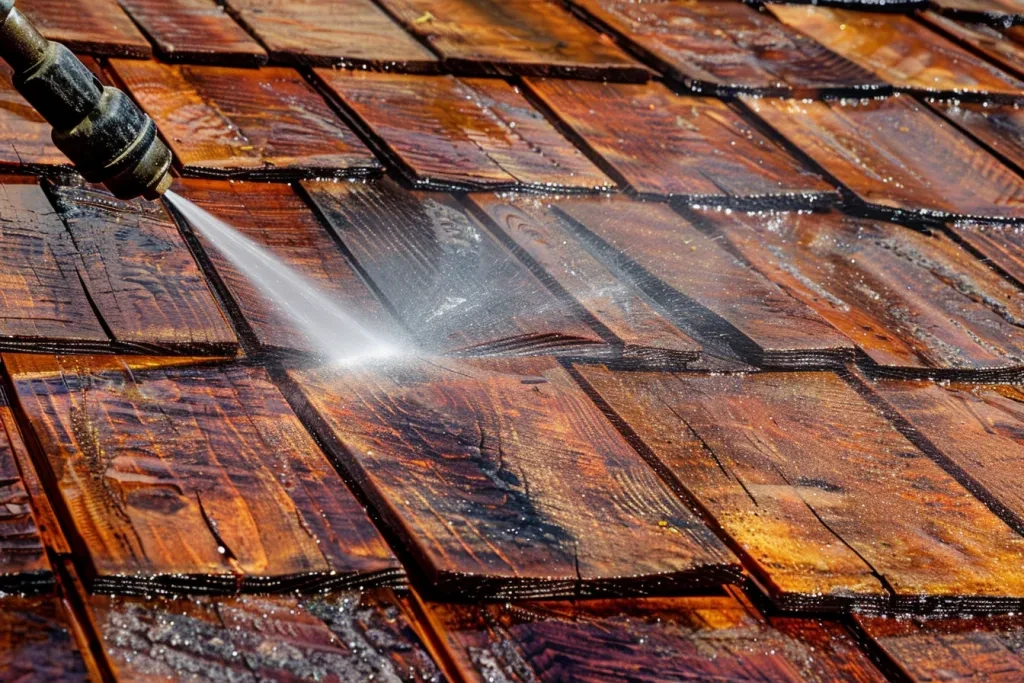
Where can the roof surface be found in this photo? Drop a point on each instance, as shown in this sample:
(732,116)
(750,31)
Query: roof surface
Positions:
(710,333)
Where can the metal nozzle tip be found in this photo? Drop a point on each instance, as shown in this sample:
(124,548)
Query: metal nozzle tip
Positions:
(157,190)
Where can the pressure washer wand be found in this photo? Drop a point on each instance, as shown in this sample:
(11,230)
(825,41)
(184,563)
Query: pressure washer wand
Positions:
(99,128)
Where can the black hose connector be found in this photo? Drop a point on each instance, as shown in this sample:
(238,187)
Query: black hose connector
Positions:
(104,134)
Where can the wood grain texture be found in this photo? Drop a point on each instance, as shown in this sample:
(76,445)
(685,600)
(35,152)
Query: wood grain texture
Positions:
(723,47)
(995,12)
(36,645)
(340,637)
(276,219)
(25,144)
(671,639)
(910,301)
(96,27)
(454,287)
(825,500)
(662,144)
(1001,246)
(540,236)
(197,31)
(901,51)
(468,133)
(353,33)
(951,649)
(715,298)
(514,37)
(1000,127)
(526,489)
(140,276)
(197,479)
(1003,46)
(899,157)
(266,124)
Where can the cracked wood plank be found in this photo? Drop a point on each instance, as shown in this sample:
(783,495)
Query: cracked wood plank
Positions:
(265,124)
(454,287)
(713,638)
(994,12)
(501,479)
(25,144)
(1000,127)
(354,33)
(826,502)
(898,157)
(696,148)
(197,31)
(915,303)
(732,310)
(725,47)
(36,642)
(172,478)
(469,133)
(901,51)
(337,637)
(277,220)
(96,27)
(514,37)
(139,275)
(540,235)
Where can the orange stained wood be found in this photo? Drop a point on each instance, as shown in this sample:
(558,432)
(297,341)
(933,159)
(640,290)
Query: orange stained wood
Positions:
(36,641)
(469,133)
(502,479)
(96,27)
(898,156)
(1004,46)
(1000,245)
(826,501)
(662,144)
(25,144)
(190,478)
(900,50)
(1000,127)
(255,123)
(995,12)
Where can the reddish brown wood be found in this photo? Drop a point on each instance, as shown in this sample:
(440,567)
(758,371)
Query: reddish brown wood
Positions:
(506,37)
(541,235)
(661,144)
(900,50)
(723,303)
(341,637)
(995,12)
(1000,245)
(825,500)
(908,300)
(36,644)
(899,157)
(354,33)
(140,276)
(452,285)
(1004,47)
(254,123)
(25,144)
(177,478)
(672,639)
(1000,127)
(97,27)
(197,31)
(468,133)
(724,46)
(502,479)
(276,219)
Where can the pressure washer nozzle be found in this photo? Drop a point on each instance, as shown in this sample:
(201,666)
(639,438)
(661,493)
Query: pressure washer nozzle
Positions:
(104,134)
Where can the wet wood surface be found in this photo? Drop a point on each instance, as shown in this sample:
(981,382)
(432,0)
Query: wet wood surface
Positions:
(825,500)
(506,37)
(266,124)
(527,490)
(139,275)
(196,31)
(909,300)
(900,50)
(899,157)
(722,46)
(995,12)
(662,144)
(1003,46)
(276,219)
(454,287)
(1000,127)
(541,237)
(36,644)
(354,33)
(341,637)
(190,478)
(951,649)
(671,639)
(468,133)
(25,144)
(715,298)
(96,27)
(1001,246)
